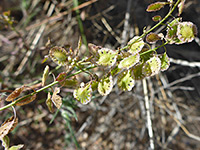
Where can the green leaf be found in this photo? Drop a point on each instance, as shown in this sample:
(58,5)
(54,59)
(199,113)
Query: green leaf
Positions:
(45,75)
(105,85)
(59,55)
(165,62)
(156,18)
(16,147)
(83,93)
(5,142)
(125,81)
(137,73)
(107,57)
(151,66)
(145,54)
(66,82)
(129,61)
(136,45)
(155,6)
(180,7)
(49,103)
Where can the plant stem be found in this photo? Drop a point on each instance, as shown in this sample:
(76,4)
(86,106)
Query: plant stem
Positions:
(43,88)
(158,24)
(154,48)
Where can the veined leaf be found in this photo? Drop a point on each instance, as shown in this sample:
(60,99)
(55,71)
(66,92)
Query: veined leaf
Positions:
(56,99)
(129,61)
(165,62)
(105,85)
(59,55)
(136,72)
(8,126)
(15,94)
(107,57)
(26,100)
(135,47)
(125,81)
(151,66)
(83,93)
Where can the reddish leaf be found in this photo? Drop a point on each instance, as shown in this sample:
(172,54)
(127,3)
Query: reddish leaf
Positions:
(26,100)
(15,94)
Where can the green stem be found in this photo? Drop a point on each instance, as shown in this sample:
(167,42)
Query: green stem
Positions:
(43,88)
(154,48)
(80,24)
(158,24)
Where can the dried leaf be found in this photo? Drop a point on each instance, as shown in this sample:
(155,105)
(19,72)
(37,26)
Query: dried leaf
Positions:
(152,38)
(15,94)
(66,82)
(56,99)
(8,126)
(49,103)
(26,100)
(45,75)
(155,6)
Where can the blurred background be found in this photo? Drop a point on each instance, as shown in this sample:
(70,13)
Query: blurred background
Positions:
(117,121)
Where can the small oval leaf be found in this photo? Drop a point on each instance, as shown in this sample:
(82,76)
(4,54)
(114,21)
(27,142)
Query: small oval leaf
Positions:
(152,38)
(15,94)
(26,100)
(129,61)
(136,45)
(155,6)
(107,57)
(156,18)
